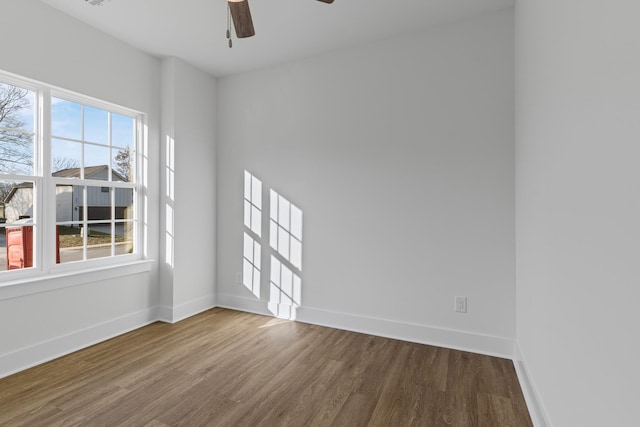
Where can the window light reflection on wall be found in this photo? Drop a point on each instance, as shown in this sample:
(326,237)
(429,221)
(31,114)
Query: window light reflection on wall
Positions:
(285,229)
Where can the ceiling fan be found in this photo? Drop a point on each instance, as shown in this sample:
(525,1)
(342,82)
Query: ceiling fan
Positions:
(242,21)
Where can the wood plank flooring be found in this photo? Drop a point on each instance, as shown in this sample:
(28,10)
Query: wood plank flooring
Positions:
(228,368)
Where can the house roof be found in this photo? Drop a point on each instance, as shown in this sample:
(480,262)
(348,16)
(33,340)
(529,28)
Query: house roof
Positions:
(88,172)
(67,173)
(15,188)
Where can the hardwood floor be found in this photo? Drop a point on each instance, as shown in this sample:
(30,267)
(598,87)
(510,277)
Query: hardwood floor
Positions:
(228,368)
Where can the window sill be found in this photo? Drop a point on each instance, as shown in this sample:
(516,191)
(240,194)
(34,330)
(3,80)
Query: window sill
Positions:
(37,284)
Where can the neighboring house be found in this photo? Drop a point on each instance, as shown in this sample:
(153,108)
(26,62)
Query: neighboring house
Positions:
(19,202)
(69,198)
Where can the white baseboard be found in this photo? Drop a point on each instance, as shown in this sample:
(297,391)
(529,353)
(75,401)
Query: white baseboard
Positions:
(250,305)
(458,340)
(36,354)
(19,360)
(165,314)
(185,310)
(448,338)
(536,409)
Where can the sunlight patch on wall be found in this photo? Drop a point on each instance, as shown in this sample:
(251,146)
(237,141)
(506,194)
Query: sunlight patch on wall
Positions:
(169,197)
(284,235)
(285,229)
(253,203)
(252,250)
(251,265)
(285,290)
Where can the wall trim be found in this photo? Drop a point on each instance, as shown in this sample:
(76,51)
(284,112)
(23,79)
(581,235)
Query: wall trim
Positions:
(537,411)
(50,282)
(19,360)
(250,305)
(422,334)
(182,311)
(449,338)
(164,314)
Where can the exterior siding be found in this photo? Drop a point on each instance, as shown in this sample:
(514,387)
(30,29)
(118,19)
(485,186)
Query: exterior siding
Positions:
(64,205)
(21,204)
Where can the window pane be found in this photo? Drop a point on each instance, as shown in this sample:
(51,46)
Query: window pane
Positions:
(99,227)
(68,200)
(96,162)
(122,131)
(16,152)
(17,108)
(124,203)
(16,225)
(65,158)
(124,238)
(16,129)
(98,204)
(17,199)
(17,242)
(66,119)
(96,125)
(122,164)
(70,242)
(99,240)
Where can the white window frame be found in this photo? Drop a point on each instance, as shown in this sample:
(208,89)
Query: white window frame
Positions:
(44,195)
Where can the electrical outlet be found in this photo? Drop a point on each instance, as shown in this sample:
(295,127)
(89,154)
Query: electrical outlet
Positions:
(460,304)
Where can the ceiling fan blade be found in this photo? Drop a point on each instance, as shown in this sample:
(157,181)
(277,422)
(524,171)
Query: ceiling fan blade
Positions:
(242,21)
(326,1)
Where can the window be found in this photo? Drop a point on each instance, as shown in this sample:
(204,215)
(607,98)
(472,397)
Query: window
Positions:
(68,180)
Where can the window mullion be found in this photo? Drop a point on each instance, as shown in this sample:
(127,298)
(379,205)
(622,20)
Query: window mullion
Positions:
(140,206)
(47,214)
(85,225)
(112,224)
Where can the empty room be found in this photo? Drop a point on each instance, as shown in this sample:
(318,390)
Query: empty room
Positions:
(315,212)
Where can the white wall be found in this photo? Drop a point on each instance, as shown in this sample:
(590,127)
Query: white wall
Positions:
(400,154)
(43,44)
(189,208)
(578,207)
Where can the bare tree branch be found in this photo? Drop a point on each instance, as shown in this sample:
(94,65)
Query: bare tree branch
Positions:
(16,145)
(123,163)
(62,163)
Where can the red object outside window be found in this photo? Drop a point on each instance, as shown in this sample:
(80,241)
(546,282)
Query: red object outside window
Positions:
(19,247)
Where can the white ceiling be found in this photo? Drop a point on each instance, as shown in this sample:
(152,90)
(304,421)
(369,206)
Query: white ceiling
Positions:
(194,30)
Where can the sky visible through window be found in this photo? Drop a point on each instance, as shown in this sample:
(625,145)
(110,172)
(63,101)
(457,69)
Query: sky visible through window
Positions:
(71,122)
(71,125)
